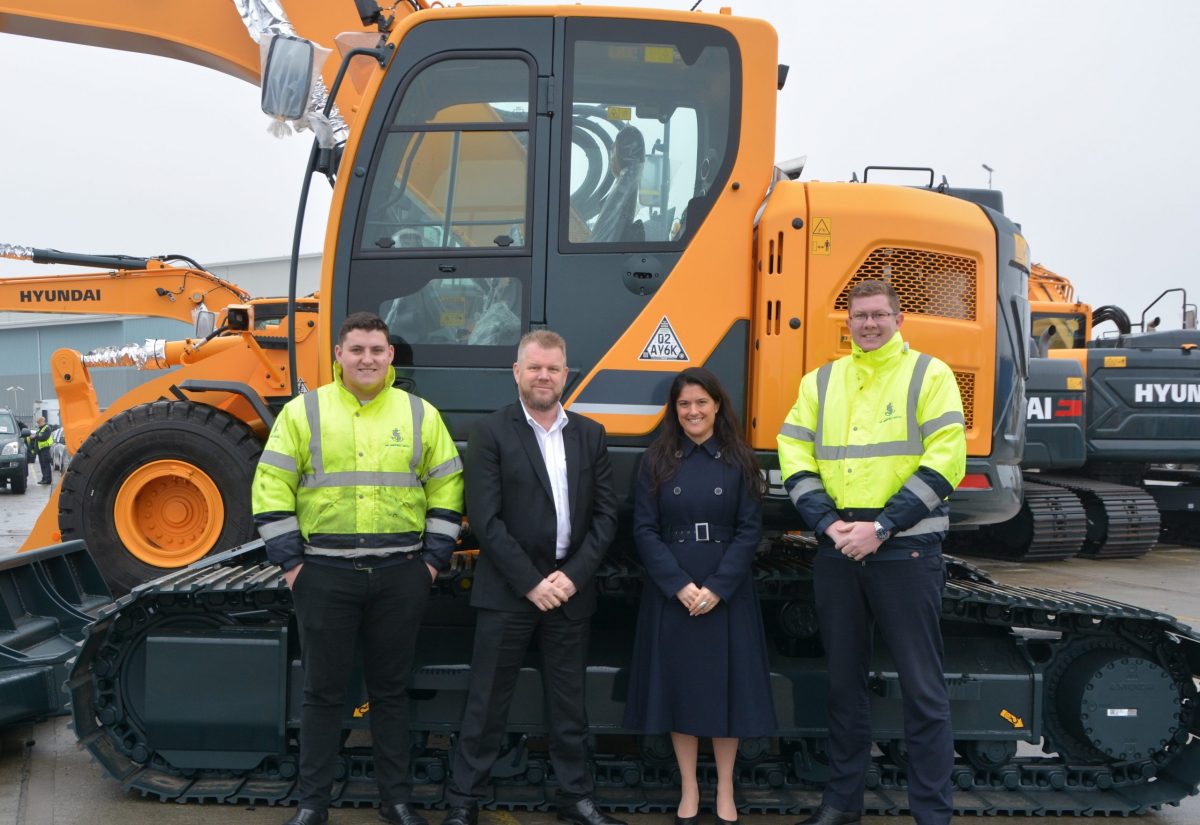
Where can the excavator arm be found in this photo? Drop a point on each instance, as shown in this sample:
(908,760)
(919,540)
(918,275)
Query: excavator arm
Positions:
(132,286)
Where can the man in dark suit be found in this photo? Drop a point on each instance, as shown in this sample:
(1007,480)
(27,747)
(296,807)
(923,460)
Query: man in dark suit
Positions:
(540,499)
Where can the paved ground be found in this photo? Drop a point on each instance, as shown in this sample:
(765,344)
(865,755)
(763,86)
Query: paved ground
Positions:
(46,780)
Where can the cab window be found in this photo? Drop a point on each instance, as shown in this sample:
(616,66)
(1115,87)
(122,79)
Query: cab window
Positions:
(650,130)
(1066,331)
(452,171)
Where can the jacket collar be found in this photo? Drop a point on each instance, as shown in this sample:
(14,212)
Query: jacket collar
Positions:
(348,397)
(711,447)
(894,348)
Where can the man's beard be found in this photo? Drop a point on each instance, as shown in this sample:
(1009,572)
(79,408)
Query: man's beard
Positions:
(537,403)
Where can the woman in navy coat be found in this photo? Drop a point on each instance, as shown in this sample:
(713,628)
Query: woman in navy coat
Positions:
(700,655)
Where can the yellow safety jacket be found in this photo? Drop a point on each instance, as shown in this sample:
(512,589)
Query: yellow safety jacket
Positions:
(345,479)
(45,437)
(877,436)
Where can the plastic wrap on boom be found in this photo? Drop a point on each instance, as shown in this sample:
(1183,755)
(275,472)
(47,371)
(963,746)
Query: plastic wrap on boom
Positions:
(16,252)
(151,355)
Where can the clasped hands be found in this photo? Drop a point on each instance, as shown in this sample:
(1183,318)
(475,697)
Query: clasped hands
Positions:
(854,539)
(697,600)
(552,591)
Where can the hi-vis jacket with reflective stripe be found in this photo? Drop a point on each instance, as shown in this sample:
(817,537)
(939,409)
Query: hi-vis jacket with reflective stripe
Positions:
(340,478)
(44,438)
(877,436)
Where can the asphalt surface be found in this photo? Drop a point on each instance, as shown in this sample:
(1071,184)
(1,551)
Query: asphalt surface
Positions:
(46,780)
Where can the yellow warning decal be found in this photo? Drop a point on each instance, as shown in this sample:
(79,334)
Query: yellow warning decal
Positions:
(1074,382)
(1114,361)
(1012,719)
(620,113)
(821,241)
(660,54)
(362,710)
(616,52)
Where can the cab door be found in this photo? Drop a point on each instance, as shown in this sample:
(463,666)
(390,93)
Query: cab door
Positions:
(444,221)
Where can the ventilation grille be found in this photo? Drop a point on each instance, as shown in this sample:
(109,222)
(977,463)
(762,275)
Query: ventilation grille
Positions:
(966,388)
(928,283)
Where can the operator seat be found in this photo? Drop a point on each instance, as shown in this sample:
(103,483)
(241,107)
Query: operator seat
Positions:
(615,221)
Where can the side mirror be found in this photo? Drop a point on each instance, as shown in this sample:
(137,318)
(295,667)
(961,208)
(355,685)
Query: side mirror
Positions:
(25,433)
(287,77)
(206,322)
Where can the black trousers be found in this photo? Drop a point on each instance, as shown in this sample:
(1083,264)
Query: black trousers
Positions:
(336,608)
(44,464)
(501,641)
(903,600)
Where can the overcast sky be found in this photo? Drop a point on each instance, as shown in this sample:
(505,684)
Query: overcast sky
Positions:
(1085,109)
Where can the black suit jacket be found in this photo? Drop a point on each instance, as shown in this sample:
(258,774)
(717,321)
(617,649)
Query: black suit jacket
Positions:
(511,510)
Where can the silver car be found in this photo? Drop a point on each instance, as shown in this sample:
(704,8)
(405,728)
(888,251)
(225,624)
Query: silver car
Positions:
(60,456)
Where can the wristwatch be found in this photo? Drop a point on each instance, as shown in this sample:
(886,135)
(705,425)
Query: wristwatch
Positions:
(882,533)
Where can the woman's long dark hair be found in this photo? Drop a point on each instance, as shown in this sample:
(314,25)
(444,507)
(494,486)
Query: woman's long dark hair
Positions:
(664,454)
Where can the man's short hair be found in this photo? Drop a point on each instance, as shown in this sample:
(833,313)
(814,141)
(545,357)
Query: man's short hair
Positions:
(872,286)
(544,338)
(368,321)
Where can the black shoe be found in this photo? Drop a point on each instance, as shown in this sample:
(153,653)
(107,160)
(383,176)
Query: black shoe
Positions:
(584,812)
(826,815)
(43,482)
(462,815)
(307,816)
(721,821)
(694,819)
(401,814)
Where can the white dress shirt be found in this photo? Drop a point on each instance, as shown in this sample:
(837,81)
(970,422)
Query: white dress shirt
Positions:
(554,453)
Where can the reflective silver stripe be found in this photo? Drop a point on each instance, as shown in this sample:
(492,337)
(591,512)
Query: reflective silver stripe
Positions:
(933,425)
(797,432)
(442,527)
(280,461)
(418,418)
(933,524)
(912,445)
(360,478)
(312,409)
(805,486)
(275,529)
(616,409)
(917,486)
(883,450)
(444,469)
(379,552)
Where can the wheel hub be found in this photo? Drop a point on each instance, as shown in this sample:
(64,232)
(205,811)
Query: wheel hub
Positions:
(169,513)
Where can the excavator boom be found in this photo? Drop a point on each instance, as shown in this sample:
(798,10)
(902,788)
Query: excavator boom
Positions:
(133,286)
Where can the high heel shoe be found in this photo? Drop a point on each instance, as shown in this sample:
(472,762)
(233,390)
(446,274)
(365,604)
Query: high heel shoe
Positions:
(721,821)
(694,819)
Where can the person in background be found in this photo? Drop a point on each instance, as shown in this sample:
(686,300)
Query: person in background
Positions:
(43,437)
(700,653)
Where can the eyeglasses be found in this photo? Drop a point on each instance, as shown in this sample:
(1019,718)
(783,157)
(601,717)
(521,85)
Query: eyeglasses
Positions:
(877,317)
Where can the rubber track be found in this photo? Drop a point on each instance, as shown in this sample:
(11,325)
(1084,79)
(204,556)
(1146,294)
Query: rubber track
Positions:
(240,582)
(1051,526)
(1124,521)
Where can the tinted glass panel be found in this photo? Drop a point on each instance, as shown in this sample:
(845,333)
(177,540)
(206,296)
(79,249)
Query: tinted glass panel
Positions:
(449,189)
(476,90)
(649,133)
(472,311)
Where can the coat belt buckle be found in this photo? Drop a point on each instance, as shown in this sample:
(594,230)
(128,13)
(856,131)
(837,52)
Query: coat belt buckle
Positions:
(705,537)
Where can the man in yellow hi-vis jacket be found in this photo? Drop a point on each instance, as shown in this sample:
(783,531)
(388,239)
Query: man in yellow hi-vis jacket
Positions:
(869,453)
(358,496)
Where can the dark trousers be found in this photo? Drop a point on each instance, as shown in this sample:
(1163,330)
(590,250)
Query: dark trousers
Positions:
(501,641)
(903,600)
(44,464)
(335,609)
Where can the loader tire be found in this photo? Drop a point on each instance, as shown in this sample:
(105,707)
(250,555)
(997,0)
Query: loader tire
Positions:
(158,487)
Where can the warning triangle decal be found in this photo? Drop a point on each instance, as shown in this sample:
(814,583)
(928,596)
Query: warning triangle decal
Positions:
(663,345)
